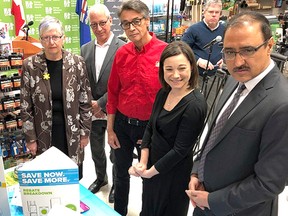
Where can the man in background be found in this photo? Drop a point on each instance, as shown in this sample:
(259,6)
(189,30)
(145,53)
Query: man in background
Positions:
(200,34)
(99,55)
(132,89)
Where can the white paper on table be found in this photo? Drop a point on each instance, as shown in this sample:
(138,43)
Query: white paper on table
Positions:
(62,210)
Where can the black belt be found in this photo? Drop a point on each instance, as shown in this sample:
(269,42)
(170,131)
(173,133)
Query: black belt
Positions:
(132,121)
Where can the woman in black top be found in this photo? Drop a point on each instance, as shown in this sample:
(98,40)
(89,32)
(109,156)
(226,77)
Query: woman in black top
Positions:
(177,119)
(55,96)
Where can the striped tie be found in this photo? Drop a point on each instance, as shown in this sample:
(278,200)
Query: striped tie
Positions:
(217,129)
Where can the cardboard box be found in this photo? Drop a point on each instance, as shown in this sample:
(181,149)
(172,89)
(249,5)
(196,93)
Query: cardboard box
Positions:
(49,180)
(4,204)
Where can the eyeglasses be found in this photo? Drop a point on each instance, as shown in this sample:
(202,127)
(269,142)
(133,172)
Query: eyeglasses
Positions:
(135,22)
(101,24)
(55,38)
(245,53)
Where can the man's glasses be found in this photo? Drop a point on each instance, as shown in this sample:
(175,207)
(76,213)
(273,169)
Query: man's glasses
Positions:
(55,38)
(135,22)
(101,24)
(245,53)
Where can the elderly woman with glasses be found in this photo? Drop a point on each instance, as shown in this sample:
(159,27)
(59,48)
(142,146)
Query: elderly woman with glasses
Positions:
(55,97)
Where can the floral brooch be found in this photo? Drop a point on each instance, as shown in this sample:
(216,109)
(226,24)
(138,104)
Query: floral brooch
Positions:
(46,76)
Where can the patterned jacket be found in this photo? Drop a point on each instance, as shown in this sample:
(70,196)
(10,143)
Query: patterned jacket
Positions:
(36,102)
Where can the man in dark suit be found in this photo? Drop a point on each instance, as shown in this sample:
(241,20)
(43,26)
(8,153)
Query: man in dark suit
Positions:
(99,56)
(243,164)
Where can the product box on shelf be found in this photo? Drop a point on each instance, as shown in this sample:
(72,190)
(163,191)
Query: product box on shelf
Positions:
(5,41)
(4,204)
(49,180)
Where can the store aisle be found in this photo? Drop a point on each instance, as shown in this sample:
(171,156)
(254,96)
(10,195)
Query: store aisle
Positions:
(136,187)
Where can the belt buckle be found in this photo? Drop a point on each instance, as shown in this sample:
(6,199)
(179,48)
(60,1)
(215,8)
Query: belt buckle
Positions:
(133,121)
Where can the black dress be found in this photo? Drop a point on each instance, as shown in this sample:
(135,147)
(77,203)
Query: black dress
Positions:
(170,137)
(59,139)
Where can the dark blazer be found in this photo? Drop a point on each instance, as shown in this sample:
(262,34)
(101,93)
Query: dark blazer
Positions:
(247,167)
(99,87)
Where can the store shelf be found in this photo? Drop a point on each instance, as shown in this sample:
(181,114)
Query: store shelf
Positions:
(12,142)
(165,17)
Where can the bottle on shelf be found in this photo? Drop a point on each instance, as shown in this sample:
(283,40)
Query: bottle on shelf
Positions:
(16,81)
(23,143)
(14,151)
(8,103)
(6,84)
(4,63)
(16,60)
(4,148)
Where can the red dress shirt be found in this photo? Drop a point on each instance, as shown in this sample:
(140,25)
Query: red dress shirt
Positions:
(134,82)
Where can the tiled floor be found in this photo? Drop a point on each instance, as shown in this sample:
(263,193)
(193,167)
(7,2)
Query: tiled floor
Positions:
(136,187)
(89,176)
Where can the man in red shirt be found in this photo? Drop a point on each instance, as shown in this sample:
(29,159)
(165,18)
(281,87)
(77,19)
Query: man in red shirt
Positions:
(132,88)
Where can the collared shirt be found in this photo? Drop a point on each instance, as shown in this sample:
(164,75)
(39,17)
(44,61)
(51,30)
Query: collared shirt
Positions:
(134,82)
(249,87)
(209,27)
(100,53)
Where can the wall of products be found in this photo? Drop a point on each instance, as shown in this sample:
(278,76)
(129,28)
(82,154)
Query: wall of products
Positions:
(165,18)
(12,142)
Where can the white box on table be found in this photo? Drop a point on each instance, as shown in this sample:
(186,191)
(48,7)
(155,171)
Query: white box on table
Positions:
(50,179)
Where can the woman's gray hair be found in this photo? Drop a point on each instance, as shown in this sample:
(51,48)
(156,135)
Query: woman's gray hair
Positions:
(135,5)
(49,23)
(98,8)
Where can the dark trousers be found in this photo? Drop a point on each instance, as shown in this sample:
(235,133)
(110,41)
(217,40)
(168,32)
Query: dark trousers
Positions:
(59,140)
(112,159)
(199,212)
(128,135)
(97,144)
(80,171)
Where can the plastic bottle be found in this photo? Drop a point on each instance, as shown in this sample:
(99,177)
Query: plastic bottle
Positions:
(4,63)
(13,147)
(3,147)
(23,143)
(16,60)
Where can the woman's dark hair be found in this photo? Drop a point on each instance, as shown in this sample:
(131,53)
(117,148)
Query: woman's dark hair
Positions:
(174,49)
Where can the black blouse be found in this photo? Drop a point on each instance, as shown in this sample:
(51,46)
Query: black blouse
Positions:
(55,71)
(171,136)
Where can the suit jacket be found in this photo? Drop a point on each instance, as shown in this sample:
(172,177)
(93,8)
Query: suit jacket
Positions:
(99,87)
(247,167)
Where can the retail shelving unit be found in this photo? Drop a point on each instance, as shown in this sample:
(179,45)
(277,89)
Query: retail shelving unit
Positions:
(165,16)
